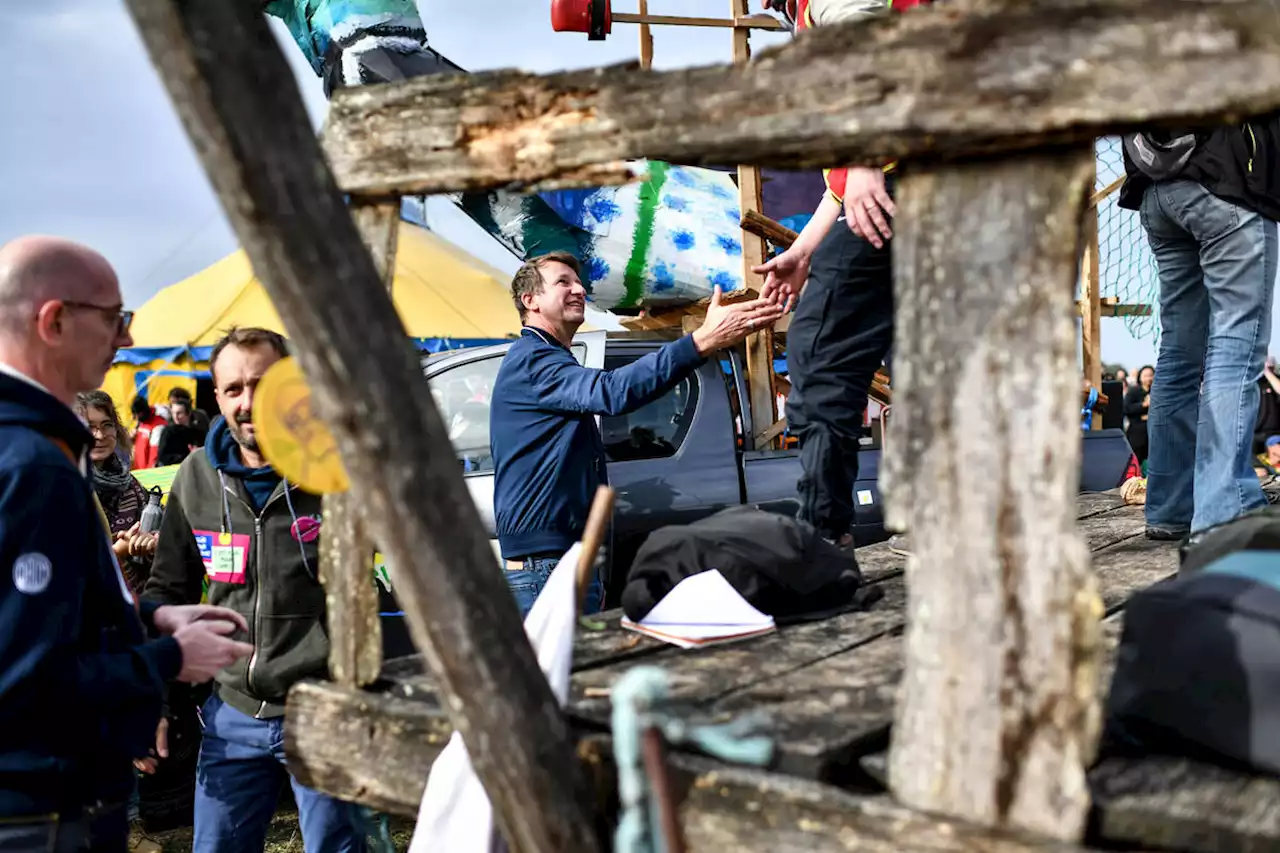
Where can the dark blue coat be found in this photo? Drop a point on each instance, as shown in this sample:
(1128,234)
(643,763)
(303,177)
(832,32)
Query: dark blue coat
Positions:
(547,452)
(80,684)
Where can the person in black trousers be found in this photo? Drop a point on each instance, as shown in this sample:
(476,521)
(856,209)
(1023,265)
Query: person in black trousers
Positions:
(1137,400)
(839,336)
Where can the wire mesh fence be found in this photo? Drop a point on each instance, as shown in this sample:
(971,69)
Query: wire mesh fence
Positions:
(1126,267)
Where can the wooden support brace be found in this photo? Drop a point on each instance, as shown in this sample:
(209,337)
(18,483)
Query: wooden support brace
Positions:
(346,555)
(240,105)
(755,222)
(759,346)
(998,712)
(742,22)
(1091,305)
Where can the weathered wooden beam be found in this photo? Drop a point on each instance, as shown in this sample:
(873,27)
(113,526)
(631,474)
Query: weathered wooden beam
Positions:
(237,99)
(742,22)
(346,555)
(998,711)
(755,222)
(935,83)
(761,395)
(1091,306)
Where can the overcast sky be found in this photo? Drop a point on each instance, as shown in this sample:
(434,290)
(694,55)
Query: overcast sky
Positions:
(91,149)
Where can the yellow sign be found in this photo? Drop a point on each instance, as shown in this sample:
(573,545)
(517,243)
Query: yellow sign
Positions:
(291,436)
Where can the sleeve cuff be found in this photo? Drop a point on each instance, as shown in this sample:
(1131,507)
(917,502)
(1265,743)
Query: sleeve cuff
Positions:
(686,352)
(147,610)
(167,656)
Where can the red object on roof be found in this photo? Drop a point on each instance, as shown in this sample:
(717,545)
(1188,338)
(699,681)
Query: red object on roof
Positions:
(575,16)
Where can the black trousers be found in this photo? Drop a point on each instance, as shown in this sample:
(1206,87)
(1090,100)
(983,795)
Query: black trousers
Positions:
(839,337)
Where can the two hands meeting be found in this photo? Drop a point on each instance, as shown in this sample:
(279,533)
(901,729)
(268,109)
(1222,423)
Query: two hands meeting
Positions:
(204,633)
(727,324)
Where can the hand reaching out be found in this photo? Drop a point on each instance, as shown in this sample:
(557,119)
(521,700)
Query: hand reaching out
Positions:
(726,325)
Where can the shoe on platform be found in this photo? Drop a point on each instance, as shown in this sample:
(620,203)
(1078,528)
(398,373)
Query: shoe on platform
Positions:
(1167,532)
(900,544)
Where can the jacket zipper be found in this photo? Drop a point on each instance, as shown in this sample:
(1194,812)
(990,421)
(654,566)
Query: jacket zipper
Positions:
(1253,145)
(257,588)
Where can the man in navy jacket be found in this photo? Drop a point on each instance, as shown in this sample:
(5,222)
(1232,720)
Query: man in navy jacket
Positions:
(547,452)
(80,681)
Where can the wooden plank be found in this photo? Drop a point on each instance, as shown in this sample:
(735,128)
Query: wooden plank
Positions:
(752,811)
(742,22)
(755,222)
(346,555)
(1091,307)
(761,393)
(1051,72)
(841,706)
(646,37)
(998,708)
(240,105)
(857,655)
(1172,803)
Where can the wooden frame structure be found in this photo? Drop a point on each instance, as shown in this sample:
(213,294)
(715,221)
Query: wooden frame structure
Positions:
(997,711)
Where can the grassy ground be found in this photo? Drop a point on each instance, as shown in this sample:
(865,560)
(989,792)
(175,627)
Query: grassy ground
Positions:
(283,836)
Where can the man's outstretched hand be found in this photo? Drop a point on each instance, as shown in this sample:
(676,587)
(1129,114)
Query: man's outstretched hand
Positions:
(726,325)
(172,618)
(789,269)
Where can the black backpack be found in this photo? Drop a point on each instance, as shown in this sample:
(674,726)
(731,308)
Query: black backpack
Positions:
(1198,668)
(779,564)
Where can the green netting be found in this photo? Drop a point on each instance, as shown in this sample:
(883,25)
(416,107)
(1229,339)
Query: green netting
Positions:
(1126,267)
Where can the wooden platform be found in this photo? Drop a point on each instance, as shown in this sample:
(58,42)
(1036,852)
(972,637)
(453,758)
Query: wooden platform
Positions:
(828,688)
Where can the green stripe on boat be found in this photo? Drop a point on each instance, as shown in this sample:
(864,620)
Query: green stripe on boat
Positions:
(637,265)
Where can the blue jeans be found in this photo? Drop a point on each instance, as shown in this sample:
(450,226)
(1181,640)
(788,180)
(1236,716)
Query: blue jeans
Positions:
(1217,264)
(526,585)
(238,785)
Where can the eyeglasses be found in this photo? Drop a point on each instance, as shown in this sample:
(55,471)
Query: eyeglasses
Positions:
(123,319)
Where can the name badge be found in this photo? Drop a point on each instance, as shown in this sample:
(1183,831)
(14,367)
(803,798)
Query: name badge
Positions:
(225,555)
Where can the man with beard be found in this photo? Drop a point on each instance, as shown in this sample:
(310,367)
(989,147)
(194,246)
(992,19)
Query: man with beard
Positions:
(232,519)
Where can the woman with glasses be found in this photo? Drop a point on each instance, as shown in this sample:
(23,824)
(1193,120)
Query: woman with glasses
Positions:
(122,497)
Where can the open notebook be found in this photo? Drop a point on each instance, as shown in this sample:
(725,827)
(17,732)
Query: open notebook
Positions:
(702,610)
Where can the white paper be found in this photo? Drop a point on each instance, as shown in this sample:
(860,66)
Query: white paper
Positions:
(702,607)
(455,814)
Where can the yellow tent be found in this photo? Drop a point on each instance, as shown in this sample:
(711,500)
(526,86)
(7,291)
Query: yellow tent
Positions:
(446,299)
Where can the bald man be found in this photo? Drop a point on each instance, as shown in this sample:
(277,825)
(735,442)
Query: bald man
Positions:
(82,665)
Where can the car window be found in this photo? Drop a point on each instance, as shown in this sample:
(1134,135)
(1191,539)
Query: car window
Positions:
(463,395)
(654,431)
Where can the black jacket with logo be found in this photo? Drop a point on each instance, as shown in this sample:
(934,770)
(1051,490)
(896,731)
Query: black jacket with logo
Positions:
(80,684)
(271,579)
(1238,163)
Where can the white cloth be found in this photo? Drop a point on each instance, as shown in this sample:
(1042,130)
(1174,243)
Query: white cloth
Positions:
(825,12)
(455,815)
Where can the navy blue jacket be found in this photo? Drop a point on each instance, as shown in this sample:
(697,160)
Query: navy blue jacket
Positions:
(80,685)
(548,456)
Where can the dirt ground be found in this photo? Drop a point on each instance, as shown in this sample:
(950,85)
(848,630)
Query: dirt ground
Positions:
(283,837)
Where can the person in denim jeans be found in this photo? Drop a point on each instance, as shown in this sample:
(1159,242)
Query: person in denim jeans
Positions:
(1216,255)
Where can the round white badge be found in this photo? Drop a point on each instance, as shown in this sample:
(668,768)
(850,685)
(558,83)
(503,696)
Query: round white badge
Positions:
(31,573)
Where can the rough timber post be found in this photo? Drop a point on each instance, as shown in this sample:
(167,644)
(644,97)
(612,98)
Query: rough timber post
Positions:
(1091,305)
(351,600)
(238,101)
(762,397)
(997,715)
